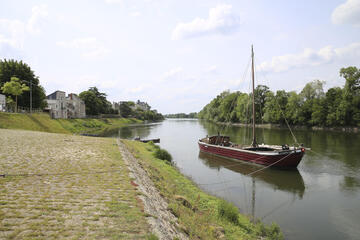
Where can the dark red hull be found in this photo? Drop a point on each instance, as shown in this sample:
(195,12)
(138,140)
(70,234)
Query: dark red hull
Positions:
(283,159)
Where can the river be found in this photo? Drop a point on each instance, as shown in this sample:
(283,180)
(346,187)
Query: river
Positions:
(319,200)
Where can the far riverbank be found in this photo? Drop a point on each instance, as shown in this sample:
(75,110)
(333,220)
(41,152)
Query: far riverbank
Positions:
(281,126)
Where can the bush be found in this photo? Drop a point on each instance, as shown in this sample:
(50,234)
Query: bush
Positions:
(151,143)
(228,211)
(162,154)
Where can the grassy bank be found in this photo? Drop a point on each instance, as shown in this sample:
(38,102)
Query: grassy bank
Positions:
(59,186)
(201,216)
(43,123)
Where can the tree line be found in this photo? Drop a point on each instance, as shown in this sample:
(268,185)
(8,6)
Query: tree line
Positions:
(132,109)
(311,107)
(17,79)
(182,115)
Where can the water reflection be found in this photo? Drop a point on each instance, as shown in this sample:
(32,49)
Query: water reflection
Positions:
(288,181)
(130,132)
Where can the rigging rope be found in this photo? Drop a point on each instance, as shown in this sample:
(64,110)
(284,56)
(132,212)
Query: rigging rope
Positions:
(287,124)
(234,100)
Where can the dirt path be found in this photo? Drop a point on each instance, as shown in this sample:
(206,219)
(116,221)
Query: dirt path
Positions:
(162,221)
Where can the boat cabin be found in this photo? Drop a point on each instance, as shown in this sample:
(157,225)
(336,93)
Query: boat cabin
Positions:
(218,140)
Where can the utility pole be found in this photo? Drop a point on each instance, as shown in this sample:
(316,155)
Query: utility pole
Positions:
(30,83)
(30,96)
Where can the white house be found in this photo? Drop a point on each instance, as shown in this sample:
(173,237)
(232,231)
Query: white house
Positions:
(61,106)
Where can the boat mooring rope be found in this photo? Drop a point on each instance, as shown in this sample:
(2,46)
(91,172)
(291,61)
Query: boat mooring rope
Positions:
(249,174)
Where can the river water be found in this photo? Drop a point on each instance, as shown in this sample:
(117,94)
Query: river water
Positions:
(319,200)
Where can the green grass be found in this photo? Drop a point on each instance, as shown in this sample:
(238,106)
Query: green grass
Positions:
(42,122)
(201,216)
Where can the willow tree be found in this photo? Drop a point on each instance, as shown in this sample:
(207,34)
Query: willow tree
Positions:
(15,88)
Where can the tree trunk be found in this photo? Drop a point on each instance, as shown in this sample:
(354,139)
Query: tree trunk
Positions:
(16,104)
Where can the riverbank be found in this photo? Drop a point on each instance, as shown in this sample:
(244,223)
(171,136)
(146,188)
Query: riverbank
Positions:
(43,123)
(280,126)
(199,215)
(61,186)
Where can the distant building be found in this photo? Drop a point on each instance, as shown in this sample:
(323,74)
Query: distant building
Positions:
(61,106)
(115,105)
(142,105)
(75,106)
(57,104)
(2,103)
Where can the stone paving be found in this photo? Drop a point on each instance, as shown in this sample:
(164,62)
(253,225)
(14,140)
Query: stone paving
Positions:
(59,186)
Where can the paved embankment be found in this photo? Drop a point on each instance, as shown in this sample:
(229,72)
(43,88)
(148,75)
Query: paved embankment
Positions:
(59,186)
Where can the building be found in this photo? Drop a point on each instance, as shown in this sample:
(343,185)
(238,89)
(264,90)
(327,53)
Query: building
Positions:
(2,103)
(75,106)
(142,105)
(61,106)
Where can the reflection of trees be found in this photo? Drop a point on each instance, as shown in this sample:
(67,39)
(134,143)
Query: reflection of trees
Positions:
(130,132)
(285,180)
(350,184)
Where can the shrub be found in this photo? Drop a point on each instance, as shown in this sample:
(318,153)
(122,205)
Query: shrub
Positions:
(162,154)
(151,143)
(274,232)
(228,211)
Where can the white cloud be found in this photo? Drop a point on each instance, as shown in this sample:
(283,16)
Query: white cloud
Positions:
(114,1)
(211,69)
(135,14)
(38,12)
(138,89)
(13,32)
(347,13)
(221,20)
(309,57)
(172,73)
(90,47)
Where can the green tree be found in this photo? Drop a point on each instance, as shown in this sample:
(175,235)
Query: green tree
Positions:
(242,108)
(125,109)
(351,97)
(95,102)
(260,95)
(19,69)
(15,88)
(335,116)
(311,94)
(293,109)
(275,106)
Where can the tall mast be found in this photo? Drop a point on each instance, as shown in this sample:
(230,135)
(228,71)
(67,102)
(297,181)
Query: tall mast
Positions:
(254,144)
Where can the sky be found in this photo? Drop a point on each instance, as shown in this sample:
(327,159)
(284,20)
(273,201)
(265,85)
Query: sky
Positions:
(178,55)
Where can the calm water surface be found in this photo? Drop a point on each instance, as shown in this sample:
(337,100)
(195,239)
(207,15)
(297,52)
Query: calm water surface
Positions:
(320,200)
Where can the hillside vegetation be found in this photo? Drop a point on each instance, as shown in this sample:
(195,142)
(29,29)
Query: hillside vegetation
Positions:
(42,122)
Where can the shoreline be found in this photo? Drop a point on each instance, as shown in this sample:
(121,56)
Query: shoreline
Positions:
(297,127)
(197,213)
